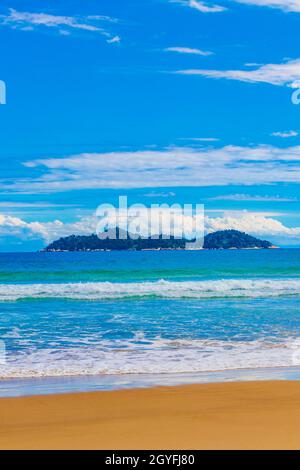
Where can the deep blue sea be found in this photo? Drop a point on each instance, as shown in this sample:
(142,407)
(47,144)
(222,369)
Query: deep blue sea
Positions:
(147,314)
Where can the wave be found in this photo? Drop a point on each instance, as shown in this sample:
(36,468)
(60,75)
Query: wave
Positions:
(226,288)
(157,356)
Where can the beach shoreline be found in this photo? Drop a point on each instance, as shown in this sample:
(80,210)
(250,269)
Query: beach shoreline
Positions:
(237,415)
(56,385)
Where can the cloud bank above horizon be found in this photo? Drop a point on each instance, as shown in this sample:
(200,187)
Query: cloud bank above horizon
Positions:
(46,232)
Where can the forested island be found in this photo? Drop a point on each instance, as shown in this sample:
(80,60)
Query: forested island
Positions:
(230,239)
(222,240)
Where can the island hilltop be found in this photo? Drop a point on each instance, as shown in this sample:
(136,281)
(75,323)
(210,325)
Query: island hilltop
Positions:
(222,240)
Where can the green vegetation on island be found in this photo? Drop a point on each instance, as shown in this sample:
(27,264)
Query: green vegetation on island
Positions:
(230,239)
(93,243)
(222,240)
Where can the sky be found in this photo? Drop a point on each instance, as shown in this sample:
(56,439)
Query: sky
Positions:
(164,101)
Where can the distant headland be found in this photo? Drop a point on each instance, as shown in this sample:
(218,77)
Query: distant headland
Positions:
(221,240)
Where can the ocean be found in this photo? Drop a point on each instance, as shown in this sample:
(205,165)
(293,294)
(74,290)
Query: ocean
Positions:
(89,321)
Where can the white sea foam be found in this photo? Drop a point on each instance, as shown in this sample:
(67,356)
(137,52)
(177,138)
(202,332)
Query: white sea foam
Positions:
(158,356)
(161,289)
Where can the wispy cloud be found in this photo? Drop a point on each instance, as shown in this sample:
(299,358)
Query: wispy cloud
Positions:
(207,7)
(65,25)
(156,194)
(285,135)
(274,74)
(188,50)
(114,40)
(201,139)
(252,198)
(203,7)
(32,205)
(208,166)
(285,5)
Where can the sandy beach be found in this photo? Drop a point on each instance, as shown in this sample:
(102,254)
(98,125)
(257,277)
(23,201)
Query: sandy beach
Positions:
(257,415)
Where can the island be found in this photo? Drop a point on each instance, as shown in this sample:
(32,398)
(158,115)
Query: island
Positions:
(233,239)
(221,240)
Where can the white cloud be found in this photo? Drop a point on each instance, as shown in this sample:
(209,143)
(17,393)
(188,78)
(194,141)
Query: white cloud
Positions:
(237,213)
(252,223)
(188,50)
(252,198)
(27,21)
(274,74)
(47,231)
(285,5)
(286,134)
(207,7)
(32,205)
(171,167)
(114,40)
(110,19)
(201,139)
(156,194)
(203,7)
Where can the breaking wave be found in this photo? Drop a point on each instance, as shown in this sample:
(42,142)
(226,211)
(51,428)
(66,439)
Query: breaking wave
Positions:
(227,288)
(157,356)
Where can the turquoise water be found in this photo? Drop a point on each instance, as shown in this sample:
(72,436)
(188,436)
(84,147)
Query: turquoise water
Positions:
(147,314)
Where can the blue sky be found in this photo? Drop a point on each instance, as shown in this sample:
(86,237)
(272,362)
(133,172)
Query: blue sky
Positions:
(163,100)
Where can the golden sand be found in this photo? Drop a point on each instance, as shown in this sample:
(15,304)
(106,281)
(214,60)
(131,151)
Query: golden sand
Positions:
(258,415)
